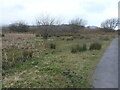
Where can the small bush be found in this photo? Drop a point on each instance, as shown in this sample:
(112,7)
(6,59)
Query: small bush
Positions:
(95,46)
(58,36)
(82,37)
(2,35)
(52,46)
(45,35)
(106,38)
(74,50)
(79,48)
(52,52)
(37,35)
(35,63)
(27,54)
(49,36)
(63,38)
(70,38)
(67,38)
(82,48)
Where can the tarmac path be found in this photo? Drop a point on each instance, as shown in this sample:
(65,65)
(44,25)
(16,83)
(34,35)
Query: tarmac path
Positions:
(106,73)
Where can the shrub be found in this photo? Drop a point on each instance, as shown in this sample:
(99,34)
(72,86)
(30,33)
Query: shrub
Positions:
(49,36)
(95,46)
(58,36)
(37,35)
(82,48)
(45,36)
(35,62)
(63,38)
(67,38)
(52,52)
(52,46)
(106,38)
(19,26)
(78,48)
(78,35)
(82,37)
(74,50)
(27,54)
(2,35)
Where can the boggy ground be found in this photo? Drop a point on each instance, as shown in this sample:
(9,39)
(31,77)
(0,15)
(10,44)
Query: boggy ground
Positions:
(50,68)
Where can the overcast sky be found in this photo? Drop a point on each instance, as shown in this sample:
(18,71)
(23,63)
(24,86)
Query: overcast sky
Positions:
(94,11)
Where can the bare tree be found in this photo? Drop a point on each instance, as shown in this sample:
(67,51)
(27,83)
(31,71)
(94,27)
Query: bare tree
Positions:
(110,23)
(19,26)
(78,21)
(76,24)
(46,25)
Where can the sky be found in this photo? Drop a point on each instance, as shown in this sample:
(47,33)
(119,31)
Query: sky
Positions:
(94,11)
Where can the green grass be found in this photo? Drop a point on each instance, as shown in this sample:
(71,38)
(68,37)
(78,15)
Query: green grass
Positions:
(56,68)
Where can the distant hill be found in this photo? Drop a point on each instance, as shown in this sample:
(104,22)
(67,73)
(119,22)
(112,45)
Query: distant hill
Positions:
(92,27)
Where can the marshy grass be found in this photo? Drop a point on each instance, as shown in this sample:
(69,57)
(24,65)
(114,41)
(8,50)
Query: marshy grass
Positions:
(52,64)
(95,46)
(79,48)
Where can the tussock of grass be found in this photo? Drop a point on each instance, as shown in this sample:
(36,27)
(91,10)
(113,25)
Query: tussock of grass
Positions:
(95,46)
(79,48)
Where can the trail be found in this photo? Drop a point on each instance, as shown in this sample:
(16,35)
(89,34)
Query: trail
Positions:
(106,74)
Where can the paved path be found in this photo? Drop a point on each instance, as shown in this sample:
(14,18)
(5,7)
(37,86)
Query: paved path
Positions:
(106,74)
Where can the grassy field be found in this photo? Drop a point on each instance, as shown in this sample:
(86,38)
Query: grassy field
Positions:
(29,61)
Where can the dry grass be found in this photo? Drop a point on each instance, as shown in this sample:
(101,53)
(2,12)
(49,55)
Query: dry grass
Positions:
(12,39)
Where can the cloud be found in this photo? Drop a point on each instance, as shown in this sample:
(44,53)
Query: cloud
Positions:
(95,11)
(94,7)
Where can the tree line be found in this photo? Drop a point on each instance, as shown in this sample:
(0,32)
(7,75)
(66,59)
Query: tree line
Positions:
(47,24)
